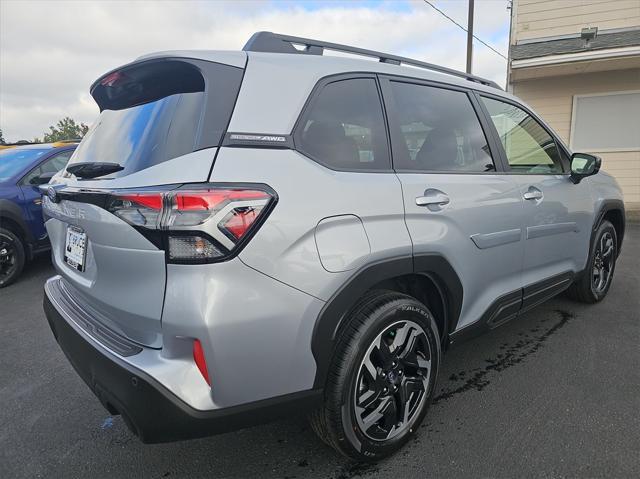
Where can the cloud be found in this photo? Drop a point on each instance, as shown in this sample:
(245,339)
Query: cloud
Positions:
(51,51)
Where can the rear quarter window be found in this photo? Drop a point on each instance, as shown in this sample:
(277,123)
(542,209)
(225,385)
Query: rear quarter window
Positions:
(343,127)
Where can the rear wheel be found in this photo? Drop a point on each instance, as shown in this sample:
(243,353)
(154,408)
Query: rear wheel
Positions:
(594,284)
(12,257)
(382,377)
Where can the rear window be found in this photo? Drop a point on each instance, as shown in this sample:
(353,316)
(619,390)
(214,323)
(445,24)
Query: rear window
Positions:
(157,111)
(144,135)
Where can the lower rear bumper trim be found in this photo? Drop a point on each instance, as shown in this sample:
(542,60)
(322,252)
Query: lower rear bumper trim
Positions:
(152,412)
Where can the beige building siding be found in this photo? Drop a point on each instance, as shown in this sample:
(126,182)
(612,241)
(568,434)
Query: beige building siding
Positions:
(552,99)
(547,18)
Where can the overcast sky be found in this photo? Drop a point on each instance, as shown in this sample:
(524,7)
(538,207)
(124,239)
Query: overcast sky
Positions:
(51,51)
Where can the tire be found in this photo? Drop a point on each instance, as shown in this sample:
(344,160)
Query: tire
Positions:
(591,288)
(12,257)
(384,325)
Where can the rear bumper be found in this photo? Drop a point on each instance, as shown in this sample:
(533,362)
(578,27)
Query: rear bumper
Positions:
(151,411)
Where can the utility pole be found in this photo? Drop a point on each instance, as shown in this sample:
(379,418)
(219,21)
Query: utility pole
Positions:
(470,37)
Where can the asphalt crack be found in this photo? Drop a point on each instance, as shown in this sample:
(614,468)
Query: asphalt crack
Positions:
(512,355)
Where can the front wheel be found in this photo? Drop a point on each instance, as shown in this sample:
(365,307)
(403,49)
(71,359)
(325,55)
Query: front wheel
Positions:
(12,257)
(382,377)
(594,284)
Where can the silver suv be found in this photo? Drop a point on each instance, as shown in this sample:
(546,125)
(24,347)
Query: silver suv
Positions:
(246,234)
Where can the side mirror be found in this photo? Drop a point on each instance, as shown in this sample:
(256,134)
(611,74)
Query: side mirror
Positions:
(583,165)
(42,179)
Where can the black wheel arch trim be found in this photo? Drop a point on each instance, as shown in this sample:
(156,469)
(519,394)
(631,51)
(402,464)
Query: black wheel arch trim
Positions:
(12,212)
(605,207)
(333,314)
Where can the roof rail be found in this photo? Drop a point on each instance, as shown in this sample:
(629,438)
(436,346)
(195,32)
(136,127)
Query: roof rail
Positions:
(278,43)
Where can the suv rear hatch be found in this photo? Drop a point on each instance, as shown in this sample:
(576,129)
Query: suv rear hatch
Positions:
(161,122)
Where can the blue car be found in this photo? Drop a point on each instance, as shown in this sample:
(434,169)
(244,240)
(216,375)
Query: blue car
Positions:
(22,231)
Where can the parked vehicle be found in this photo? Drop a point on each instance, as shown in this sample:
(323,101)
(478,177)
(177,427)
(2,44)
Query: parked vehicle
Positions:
(22,232)
(245,235)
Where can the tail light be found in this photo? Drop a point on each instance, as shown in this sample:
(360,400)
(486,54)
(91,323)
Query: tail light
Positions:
(196,225)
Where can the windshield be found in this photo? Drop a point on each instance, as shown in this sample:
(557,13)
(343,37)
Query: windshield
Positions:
(15,160)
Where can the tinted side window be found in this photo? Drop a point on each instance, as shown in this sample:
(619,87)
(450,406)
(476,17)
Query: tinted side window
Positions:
(529,148)
(343,128)
(440,129)
(52,165)
(58,162)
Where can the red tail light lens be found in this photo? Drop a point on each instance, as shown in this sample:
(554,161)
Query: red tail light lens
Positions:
(237,222)
(148,200)
(138,209)
(191,208)
(199,224)
(198,357)
(212,198)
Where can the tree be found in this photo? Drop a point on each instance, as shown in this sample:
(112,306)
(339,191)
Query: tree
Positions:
(2,140)
(65,129)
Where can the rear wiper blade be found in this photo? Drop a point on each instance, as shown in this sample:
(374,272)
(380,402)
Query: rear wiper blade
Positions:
(93,169)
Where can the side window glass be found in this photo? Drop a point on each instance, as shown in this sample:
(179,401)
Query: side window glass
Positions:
(529,148)
(32,174)
(58,162)
(344,127)
(441,131)
(52,165)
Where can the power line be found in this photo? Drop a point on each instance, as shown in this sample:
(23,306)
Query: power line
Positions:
(460,26)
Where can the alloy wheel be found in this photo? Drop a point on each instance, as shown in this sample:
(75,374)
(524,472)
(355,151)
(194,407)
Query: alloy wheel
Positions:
(393,381)
(8,259)
(603,263)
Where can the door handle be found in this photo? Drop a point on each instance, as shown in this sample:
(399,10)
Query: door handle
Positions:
(533,193)
(438,199)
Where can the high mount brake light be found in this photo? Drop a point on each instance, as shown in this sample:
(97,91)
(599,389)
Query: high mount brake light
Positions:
(113,78)
(201,224)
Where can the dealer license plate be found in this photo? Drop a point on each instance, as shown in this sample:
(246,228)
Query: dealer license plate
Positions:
(75,247)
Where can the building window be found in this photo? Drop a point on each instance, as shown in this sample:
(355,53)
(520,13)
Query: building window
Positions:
(606,122)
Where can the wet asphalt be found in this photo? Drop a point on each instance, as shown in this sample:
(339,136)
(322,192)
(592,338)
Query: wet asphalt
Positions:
(555,393)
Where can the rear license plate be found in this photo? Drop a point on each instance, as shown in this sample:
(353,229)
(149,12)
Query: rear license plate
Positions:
(75,247)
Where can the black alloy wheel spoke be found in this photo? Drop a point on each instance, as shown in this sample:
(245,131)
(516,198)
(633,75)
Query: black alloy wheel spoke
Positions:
(408,389)
(382,354)
(7,258)
(390,417)
(603,263)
